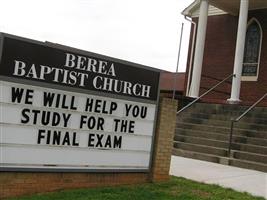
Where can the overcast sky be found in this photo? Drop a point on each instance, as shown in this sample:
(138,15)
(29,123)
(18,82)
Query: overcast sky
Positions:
(142,31)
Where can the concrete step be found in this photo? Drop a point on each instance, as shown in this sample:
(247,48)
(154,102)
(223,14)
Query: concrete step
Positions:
(260,158)
(196,155)
(201,141)
(250,140)
(225,108)
(217,107)
(248,165)
(222,130)
(213,122)
(250,148)
(219,111)
(224,117)
(222,137)
(253,114)
(221,144)
(202,132)
(202,127)
(228,114)
(200,148)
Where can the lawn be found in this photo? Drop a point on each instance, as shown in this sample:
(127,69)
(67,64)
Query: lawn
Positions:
(176,188)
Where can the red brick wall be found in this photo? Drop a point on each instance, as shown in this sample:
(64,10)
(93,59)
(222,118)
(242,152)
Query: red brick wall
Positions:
(254,90)
(19,183)
(219,58)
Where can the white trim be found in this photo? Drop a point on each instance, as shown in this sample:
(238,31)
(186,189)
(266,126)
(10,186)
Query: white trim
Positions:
(212,11)
(249,78)
(239,51)
(191,55)
(199,49)
(254,78)
(191,8)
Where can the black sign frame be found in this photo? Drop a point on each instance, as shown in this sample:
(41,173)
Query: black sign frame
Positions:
(154,100)
(139,74)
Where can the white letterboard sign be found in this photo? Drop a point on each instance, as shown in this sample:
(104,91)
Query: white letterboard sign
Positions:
(63,109)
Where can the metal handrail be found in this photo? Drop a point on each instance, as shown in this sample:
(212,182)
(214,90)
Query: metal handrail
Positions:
(213,78)
(205,93)
(238,119)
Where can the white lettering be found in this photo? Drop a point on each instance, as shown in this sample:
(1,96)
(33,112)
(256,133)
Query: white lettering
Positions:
(32,72)
(95,82)
(44,70)
(70,60)
(111,70)
(80,62)
(89,64)
(118,86)
(19,68)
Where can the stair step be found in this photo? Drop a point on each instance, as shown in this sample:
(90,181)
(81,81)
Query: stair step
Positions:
(250,140)
(250,148)
(201,141)
(223,117)
(208,107)
(248,165)
(202,132)
(241,155)
(217,107)
(196,155)
(224,114)
(222,137)
(221,144)
(222,130)
(200,148)
(240,124)
(202,127)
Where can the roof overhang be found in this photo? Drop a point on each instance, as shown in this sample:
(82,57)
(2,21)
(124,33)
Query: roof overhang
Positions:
(191,8)
(229,6)
(232,6)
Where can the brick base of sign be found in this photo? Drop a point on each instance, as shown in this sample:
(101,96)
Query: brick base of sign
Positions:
(164,139)
(16,183)
(26,183)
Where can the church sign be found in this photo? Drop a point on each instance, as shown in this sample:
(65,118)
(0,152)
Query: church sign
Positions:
(63,109)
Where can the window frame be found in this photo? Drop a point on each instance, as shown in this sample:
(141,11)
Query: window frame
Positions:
(253,78)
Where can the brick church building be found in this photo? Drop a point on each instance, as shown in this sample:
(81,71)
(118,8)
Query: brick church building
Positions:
(227,37)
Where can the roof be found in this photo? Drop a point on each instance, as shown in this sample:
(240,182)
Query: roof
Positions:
(167,81)
(188,11)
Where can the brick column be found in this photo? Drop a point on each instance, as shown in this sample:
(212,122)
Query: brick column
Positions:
(164,139)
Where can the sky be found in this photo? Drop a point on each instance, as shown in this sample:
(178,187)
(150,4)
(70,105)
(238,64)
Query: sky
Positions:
(141,31)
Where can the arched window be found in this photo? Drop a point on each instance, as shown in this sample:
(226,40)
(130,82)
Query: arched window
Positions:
(252,51)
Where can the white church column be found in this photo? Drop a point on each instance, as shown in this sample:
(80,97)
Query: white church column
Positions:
(199,50)
(239,51)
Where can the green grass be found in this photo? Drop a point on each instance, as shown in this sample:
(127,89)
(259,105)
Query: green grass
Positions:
(176,188)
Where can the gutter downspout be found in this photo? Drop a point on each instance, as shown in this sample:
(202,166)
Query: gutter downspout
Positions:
(191,56)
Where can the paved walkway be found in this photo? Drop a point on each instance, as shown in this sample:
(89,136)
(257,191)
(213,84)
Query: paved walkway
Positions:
(244,180)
